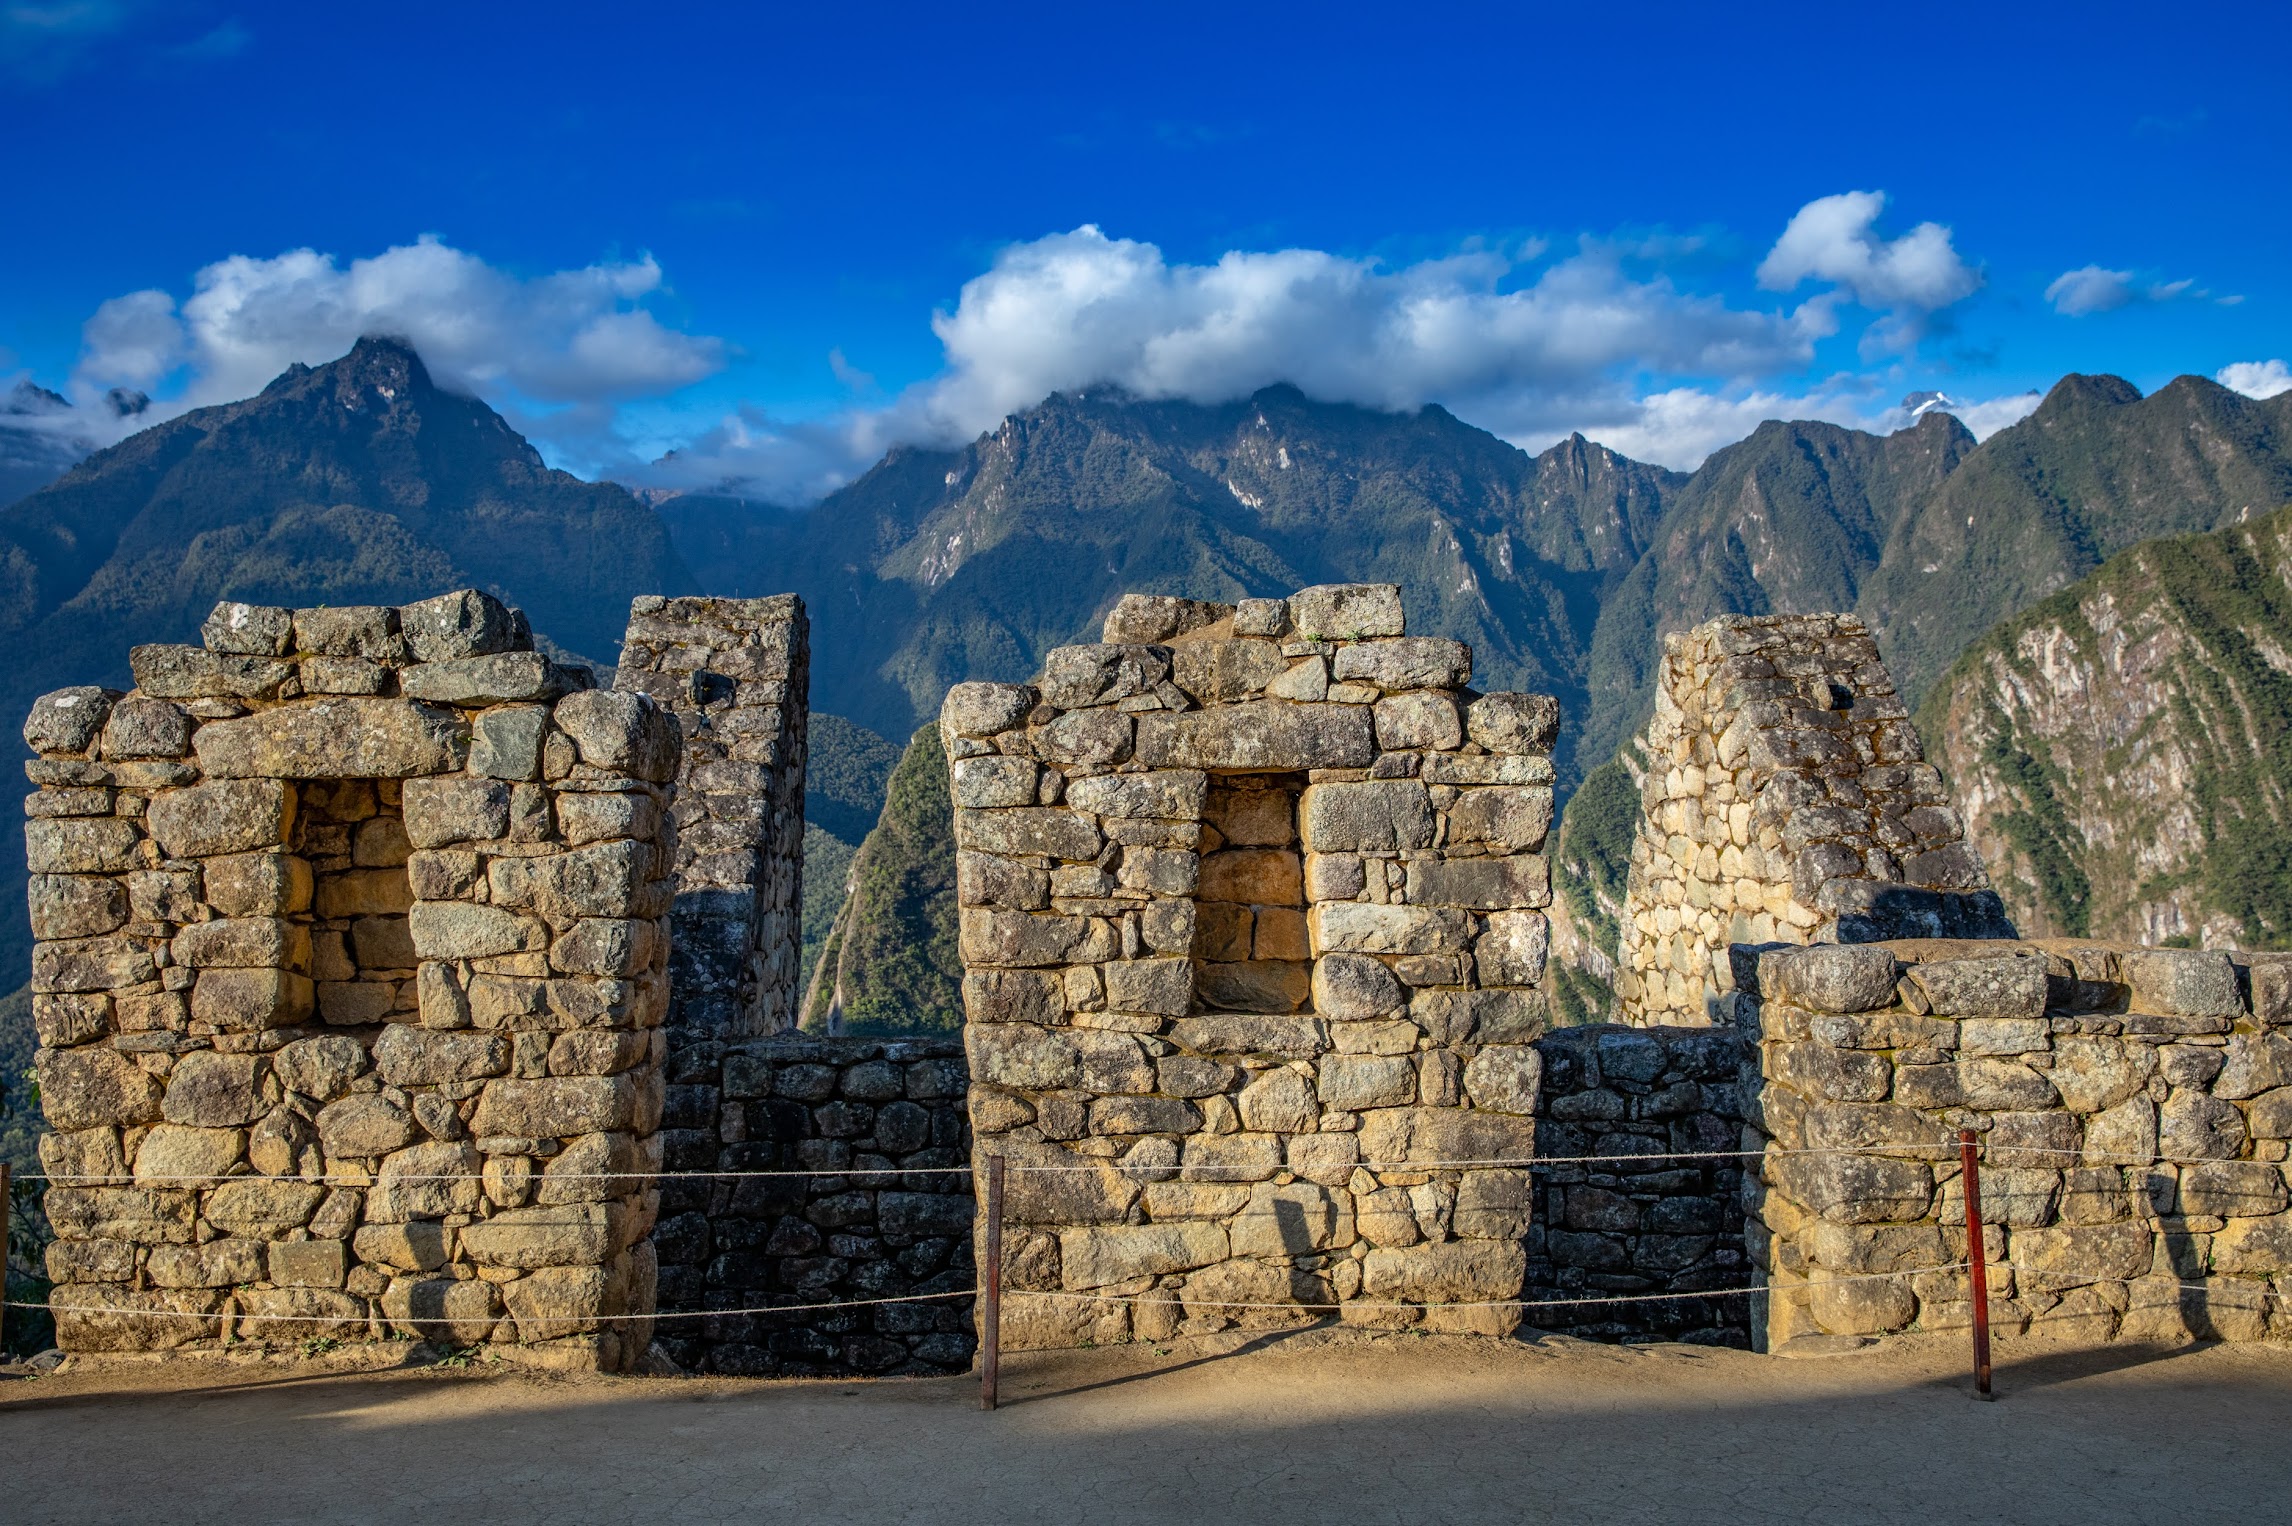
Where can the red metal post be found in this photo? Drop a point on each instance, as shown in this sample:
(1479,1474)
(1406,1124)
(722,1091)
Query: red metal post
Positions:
(991,1288)
(1977,1260)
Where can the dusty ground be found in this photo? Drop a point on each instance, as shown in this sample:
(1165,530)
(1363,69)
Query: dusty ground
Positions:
(1320,1427)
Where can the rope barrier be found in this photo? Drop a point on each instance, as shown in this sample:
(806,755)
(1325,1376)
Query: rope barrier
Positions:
(307,1319)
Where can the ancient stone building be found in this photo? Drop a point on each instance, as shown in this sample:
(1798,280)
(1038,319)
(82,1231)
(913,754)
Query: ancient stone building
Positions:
(1252,922)
(736,674)
(1787,799)
(350,975)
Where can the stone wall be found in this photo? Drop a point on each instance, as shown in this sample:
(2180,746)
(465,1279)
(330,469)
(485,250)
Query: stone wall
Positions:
(1787,799)
(735,673)
(351,959)
(2134,1107)
(763,1234)
(1646,1225)
(1252,925)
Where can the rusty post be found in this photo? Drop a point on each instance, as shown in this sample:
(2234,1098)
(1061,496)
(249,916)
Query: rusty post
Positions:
(7,1186)
(991,1288)
(1977,1260)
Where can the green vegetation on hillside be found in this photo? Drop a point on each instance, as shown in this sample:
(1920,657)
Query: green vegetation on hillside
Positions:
(2129,740)
(1594,856)
(890,964)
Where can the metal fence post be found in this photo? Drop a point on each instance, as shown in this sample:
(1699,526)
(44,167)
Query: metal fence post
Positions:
(1977,1260)
(7,1200)
(991,1288)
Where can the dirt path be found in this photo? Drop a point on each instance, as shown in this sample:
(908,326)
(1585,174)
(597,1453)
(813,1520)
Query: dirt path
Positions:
(1319,1427)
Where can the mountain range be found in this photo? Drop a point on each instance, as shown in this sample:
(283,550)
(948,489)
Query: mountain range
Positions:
(361,480)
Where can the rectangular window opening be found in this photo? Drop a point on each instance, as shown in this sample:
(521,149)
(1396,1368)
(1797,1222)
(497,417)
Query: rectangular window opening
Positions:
(1251,953)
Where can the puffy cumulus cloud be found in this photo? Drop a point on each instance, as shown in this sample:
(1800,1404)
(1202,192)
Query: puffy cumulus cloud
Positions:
(2090,289)
(2256,378)
(1081,309)
(1835,239)
(571,337)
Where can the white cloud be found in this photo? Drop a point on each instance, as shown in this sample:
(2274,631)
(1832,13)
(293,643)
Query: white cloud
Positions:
(1679,426)
(2256,378)
(1834,239)
(2090,289)
(1081,309)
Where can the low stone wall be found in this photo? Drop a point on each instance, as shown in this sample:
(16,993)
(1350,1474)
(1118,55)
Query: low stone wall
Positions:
(2134,1107)
(1654,1225)
(763,1236)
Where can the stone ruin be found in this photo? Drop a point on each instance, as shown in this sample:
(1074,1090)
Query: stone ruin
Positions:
(394,980)
(1251,921)
(1787,799)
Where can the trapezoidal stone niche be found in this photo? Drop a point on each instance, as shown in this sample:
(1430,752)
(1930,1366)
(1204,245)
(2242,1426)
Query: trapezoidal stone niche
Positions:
(1253,936)
(350,971)
(735,673)
(1787,800)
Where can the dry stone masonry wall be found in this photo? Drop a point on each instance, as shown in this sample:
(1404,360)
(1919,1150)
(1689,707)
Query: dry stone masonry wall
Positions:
(890,1219)
(350,971)
(1657,1213)
(1253,930)
(735,672)
(2134,1108)
(1787,799)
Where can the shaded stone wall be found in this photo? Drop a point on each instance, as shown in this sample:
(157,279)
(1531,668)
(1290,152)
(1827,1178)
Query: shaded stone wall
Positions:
(2134,1107)
(760,1236)
(1252,923)
(1632,1227)
(350,967)
(736,674)
(1787,799)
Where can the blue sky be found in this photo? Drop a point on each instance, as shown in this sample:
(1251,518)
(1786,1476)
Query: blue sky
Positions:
(778,240)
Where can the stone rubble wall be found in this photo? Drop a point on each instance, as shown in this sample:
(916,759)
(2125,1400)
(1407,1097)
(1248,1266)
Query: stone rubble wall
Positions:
(1252,922)
(735,673)
(350,969)
(1646,1226)
(1787,799)
(2134,1108)
(855,1107)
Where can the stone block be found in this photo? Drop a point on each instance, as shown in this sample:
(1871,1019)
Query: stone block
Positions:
(1019,939)
(408,1056)
(1831,978)
(244,943)
(443,811)
(1352,1082)
(75,906)
(465,623)
(1352,987)
(320,1068)
(1084,738)
(1406,662)
(1218,672)
(261,884)
(1257,985)
(1076,677)
(1049,830)
(502,678)
(91,964)
(1523,880)
(1260,735)
(66,722)
(2074,1254)
(1401,1135)
(307,1263)
(1347,611)
(1163,794)
(1099,1257)
(2003,986)
(563,1105)
(2255,1063)
(1453,1271)
(2181,982)
(343,675)
(80,845)
(1849,1189)
(553,1302)
(174,1155)
(2192,1126)
(505,743)
(147,728)
(994,780)
(1013,996)
(457,1313)
(1368,929)
(569,1234)
(1490,1016)
(189,672)
(335,737)
(1375,815)
(1279,1101)
(368,631)
(1505,1078)
(211,1091)
(1423,719)
(1513,949)
(462,930)
(1514,724)
(1512,818)
(257,630)
(217,1264)
(417,1245)
(1160,986)
(262,1208)
(622,733)
(985,709)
